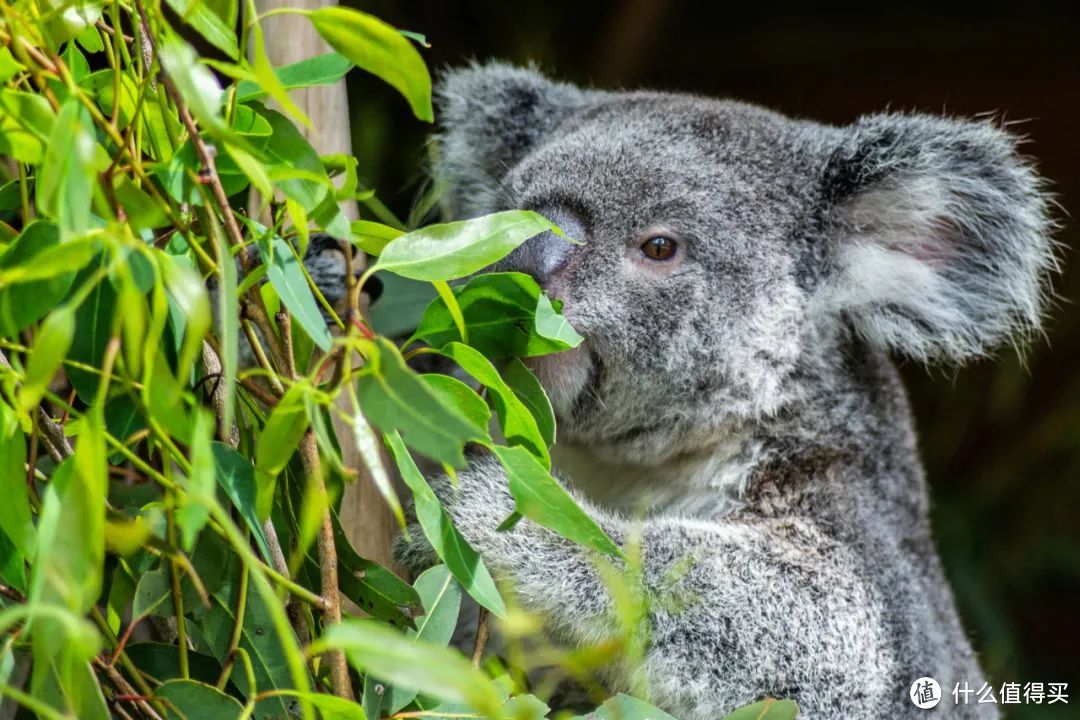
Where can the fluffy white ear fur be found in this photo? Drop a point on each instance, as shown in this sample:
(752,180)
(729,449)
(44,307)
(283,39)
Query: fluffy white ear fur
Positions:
(941,248)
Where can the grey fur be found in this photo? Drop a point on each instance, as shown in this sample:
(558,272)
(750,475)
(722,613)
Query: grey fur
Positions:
(741,399)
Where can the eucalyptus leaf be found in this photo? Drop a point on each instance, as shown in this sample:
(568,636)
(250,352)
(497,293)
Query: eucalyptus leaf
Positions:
(450,545)
(192,699)
(440,672)
(394,398)
(454,250)
(502,313)
(541,498)
(23,303)
(208,24)
(518,425)
(323,69)
(381,50)
(287,277)
(767,709)
(65,181)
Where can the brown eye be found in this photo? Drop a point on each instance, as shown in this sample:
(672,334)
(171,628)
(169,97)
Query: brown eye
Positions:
(659,248)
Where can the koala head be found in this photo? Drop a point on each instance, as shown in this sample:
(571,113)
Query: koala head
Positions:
(729,252)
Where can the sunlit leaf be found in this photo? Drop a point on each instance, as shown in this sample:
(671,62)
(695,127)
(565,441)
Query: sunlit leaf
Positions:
(323,69)
(454,250)
(236,476)
(23,303)
(381,50)
(277,443)
(372,237)
(531,393)
(624,707)
(208,24)
(65,181)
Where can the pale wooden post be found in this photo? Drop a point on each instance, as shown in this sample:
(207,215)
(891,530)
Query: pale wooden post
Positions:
(289,38)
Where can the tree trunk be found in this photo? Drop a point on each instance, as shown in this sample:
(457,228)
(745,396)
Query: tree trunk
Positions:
(364,514)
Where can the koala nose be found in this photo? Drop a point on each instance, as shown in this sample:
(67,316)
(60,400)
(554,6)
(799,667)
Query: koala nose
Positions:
(544,255)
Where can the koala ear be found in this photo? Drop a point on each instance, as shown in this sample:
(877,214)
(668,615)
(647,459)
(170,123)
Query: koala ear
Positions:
(491,116)
(938,235)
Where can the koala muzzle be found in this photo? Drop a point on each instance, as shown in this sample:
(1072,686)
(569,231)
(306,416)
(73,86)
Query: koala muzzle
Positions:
(544,255)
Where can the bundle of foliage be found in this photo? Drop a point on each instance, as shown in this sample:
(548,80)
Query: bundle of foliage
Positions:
(169,541)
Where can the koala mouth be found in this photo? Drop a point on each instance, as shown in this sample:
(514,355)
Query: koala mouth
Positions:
(571,379)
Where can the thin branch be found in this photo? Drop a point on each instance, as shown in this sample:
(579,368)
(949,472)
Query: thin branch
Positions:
(328,565)
(481,637)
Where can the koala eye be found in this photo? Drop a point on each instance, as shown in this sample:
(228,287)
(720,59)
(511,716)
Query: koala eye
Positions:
(659,248)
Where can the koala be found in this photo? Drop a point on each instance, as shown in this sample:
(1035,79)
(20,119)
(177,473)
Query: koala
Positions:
(743,282)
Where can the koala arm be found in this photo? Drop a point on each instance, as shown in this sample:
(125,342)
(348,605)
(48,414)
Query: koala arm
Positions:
(734,604)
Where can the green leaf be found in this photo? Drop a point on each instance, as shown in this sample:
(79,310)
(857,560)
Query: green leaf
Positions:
(26,302)
(525,707)
(394,398)
(289,152)
(161,661)
(258,638)
(381,50)
(319,70)
(9,66)
(376,590)
(208,24)
(372,237)
(236,476)
(264,73)
(191,699)
(197,85)
(767,709)
(502,316)
(26,123)
(453,250)
(65,180)
(541,498)
(439,672)
(277,443)
(367,444)
(287,277)
(50,347)
(454,550)
(330,707)
(15,518)
(153,594)
(624,707)
(459,396)
(94,319)
(531,393)
(195,508)
(441,595)
(550,323)
(516,421)
(70,551)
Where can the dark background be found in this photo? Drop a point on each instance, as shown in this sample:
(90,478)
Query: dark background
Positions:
(1001,439)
